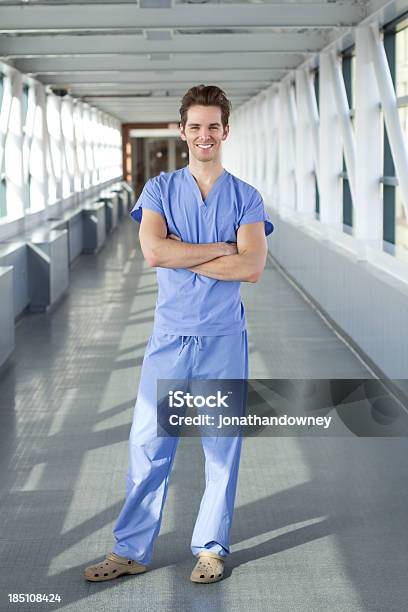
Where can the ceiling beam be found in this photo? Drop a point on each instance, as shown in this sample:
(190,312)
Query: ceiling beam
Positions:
(87,17)
(118,44)
(168,85)
(122,64)
(182,75)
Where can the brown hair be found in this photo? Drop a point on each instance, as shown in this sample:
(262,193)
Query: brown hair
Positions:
(205,95)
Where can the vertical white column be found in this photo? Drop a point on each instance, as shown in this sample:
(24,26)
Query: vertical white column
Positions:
(55,141)
(73,145)
(253,115)
(43,142)
(398,145)
(263,121)
(79,133)
(94,146)
(345,125)
(272,150)
(119,148)
(241,145)
(251,119)
(282,147)
(266,139)
(112,147)
(292,123)
(28,134)
(304,151)
(5,110)
(330,153)
(313,120)
(99,148)
(49,187)
(68,167)
(14,149)
(286,151)
(108,147)
(368,207)
(88,140)
(250,145)
(37,153)
(258,130)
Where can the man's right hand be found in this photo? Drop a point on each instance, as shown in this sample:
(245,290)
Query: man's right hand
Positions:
(230,247)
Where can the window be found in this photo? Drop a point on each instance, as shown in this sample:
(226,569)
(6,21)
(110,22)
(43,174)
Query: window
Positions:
(67,125)
(316,83)
(1,89)
(54,157)
(3,209)
(395,222)
(348,70)
(26,149)
(50,146)
(81,176)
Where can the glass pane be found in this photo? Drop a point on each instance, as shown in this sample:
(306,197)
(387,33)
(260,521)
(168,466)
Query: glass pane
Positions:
(316,82)
(3,209)
(401,228)
(1,89)
(381,143)
(25,104)
(388,197)
(347,205)
(403,115)
(347,77)
(353,81)
(401,41)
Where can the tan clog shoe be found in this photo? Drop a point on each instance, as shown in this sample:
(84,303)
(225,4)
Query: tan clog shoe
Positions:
(209,568)
(112,567)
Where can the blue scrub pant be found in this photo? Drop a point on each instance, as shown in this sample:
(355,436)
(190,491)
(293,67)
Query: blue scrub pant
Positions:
(151,457)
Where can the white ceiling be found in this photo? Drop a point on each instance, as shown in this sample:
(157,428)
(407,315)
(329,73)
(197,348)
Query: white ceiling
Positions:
(136,59)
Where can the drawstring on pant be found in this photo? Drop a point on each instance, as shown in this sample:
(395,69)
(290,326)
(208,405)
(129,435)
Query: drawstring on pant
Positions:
(199,342)
(185,339)
(183,343)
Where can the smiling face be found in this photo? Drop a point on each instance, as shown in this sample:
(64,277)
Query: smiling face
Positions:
(204,132)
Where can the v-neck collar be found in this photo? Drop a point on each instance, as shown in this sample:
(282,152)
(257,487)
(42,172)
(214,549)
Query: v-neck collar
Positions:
(214,188)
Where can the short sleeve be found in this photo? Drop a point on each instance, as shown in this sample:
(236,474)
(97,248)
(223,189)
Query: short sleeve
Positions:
(255,211)
(149,198)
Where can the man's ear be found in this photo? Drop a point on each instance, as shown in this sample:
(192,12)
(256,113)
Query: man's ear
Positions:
(226,132)
(181,130)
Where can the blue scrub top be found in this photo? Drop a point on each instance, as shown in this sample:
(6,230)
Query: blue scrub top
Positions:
(188,303)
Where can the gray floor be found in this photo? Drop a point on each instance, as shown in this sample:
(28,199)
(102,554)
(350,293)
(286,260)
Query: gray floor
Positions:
(320,524)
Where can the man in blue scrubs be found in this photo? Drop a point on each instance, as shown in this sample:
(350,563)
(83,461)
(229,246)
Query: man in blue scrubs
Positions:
(204,230)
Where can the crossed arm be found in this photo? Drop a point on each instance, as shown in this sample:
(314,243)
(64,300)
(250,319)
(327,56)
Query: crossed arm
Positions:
(244,261)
